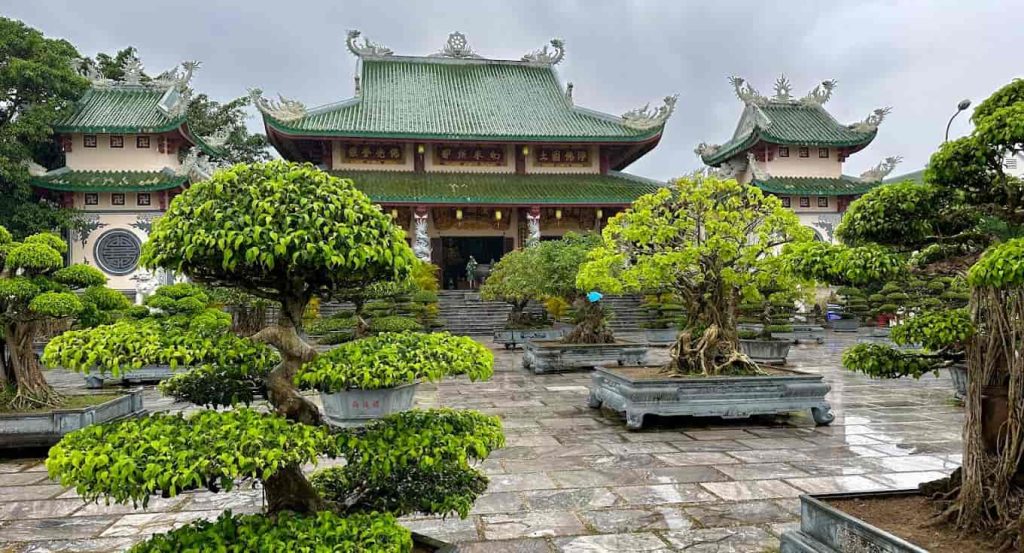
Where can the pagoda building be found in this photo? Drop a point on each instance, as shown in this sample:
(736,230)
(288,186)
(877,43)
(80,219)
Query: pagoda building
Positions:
(127,150)
(474,157)
(793,148)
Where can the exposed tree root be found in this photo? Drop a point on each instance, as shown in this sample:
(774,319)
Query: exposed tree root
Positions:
(713,353)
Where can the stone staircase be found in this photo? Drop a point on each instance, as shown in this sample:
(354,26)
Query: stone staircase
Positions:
(463,312)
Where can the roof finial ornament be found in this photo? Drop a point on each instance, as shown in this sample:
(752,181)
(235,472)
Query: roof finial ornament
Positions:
(871,122)
(882,170)
(132,68)
(544,56)
(646,118)
(568,92)
(282,109)
(705,149)
(456,47)
(746,93)
(368,48)
(218,138)
(91,72)
(819,94)
(759,172)
(195,167)
(783,89)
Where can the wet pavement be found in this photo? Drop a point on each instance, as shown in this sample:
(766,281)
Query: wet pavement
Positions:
(574,479)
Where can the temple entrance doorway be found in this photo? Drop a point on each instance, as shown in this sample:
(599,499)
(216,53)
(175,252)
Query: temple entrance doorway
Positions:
(455,254)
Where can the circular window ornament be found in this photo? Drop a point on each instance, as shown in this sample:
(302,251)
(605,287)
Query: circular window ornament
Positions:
(117,252)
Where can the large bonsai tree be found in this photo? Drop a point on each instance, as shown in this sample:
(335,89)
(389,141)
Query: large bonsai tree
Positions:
(711,242)
(37,290)
(513,280)
(286,233)
(939,228)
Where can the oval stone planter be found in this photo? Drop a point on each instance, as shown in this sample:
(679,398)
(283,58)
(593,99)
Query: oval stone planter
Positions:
(770,352)
(548,356)
(43,429)
(149,374)
(958,373)
(356,407)
(825,529)
(512,339)
(730,397)
(845,325)
(661,336)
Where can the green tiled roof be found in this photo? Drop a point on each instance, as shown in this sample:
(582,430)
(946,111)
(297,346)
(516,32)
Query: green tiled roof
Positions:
(815,186)
(438,98)
(916,176)
(791,124)
(497,188)
(122,109)
(66,180)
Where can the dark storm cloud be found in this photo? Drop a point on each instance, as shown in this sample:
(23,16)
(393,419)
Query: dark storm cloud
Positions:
(920,58)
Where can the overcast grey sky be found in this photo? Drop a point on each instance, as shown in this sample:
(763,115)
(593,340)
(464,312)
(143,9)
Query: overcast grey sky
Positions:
(919,57)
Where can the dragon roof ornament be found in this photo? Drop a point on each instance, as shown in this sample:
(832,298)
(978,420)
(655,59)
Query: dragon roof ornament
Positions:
(283,109)
(367,48)
(218,138)
(646,118)
(705,149)
(749,95)
(134,75)
(456,47)
(543,56)
(882,170)
(759,172)
(195,166)
(871,122)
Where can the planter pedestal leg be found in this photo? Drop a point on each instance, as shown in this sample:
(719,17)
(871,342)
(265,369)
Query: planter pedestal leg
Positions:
(593,401)
(823,415)
(634,420)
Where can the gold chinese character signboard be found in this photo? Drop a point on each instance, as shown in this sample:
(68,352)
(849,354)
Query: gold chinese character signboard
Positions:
(562,156)
(479,155)
(377,153)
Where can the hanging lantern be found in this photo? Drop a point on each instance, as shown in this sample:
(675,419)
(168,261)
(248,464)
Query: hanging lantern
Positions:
(558,214)
(497,214)
(600,213)
(458,214)
(420,148)
(394,213)
(526,150)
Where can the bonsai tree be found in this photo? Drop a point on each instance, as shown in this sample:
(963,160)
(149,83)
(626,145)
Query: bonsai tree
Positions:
(36,289)
(177,327)
(284,232)
(773,306)
(558,264)
(710,241)
(513,279)
(940,227)
(663,311)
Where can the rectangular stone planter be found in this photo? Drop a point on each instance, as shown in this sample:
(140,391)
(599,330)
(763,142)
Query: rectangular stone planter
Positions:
(44,429)
(825,529)
(770,352)
(547,356)
(958,373)
(661,336)
(730,397)
(357,407)
(803,333)
(845,325)
(512,339)
(149,374)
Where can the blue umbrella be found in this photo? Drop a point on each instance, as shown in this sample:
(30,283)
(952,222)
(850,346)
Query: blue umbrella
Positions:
(594,297)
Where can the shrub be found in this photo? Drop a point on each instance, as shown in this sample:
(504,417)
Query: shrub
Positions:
(323,531)
(217,385)
(55,304)
(331,324)
(393,359)
(80,276)
(394,324)
(37,257)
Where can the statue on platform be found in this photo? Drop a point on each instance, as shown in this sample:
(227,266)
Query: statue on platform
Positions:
(471,272)
(421,241)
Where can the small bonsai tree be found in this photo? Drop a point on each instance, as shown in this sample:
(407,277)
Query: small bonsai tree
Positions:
(513,279)
(35,290)
(773,306)
(558,264)
(710,241)
(663,311)
(286,233)
(939,228)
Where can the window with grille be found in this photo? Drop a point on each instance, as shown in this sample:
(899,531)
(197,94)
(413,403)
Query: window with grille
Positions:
(823,153)
(92,198)
(89,140)
(117,252)
(805,152)
(783,151)
(1010,163)
(116,141)
(787,201)
(805,201)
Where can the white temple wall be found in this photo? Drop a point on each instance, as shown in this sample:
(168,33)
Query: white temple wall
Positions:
(813,166)
(82,248)
(127,158)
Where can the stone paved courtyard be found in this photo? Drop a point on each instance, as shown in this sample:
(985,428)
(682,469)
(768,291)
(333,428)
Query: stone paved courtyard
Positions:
(574,479)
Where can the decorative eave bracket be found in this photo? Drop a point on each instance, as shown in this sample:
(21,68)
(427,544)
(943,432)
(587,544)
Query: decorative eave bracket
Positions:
(283,109)
(756,170)
(367,49)
(871,122)
(646,118)
(545,57)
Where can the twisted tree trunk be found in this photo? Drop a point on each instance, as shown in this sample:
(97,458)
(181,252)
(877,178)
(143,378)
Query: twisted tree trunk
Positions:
(288,489)
(592,325)
(23,371)
(709,344)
